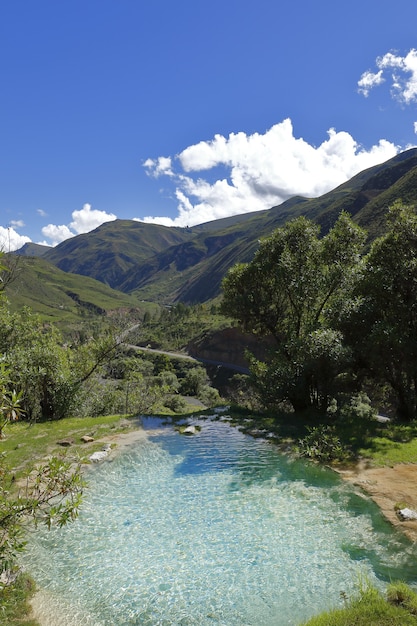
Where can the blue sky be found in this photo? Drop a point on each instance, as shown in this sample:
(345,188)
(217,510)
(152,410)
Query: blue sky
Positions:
(182,112)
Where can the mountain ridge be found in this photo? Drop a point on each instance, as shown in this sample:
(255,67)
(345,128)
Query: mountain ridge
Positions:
(171,264)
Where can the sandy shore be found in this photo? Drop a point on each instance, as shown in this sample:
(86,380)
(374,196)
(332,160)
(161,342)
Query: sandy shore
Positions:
(388,486)
(123,440)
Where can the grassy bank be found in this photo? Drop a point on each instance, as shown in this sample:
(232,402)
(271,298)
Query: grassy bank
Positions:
(398,607)
(26,443)
(360,437)
(15,602)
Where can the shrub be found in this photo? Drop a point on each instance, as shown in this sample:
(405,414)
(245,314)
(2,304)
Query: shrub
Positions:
(321,444)
(358,407)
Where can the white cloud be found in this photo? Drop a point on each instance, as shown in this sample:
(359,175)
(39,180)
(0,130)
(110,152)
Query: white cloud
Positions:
(17,223)
(368,80)
(41,212)
(261,171)
(415,127)
(87,219)
(84,221)
(161,165)
(10,240)
(403,76)
(56,234)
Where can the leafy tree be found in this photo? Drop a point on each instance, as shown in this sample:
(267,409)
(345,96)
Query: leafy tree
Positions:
(49,373)
(51,494)
(381,322)
(288,293)
(194,381)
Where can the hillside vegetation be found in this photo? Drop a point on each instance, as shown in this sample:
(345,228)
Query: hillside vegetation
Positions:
(65,297)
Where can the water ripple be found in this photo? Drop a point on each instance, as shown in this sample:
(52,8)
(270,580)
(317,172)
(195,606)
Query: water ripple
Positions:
(214,529)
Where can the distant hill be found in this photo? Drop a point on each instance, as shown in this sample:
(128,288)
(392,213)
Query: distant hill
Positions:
(61,296)
(168,265)
(112,250)
(33,249)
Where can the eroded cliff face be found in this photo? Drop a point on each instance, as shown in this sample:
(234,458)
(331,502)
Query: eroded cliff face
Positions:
(228,346)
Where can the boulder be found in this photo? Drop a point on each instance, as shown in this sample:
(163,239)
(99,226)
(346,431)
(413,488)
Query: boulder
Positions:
(65,442)
(87,439)
(407,514)
(189,430)
(98,456)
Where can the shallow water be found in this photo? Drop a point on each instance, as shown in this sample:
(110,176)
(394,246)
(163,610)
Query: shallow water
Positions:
(212,529)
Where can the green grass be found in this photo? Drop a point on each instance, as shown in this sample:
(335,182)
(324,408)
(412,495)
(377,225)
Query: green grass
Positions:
(371,608)
(26,443)
(394,443)
(15,602)
(381,444)
(64,297)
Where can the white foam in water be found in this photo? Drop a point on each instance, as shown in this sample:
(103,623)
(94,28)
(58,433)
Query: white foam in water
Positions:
(213,529)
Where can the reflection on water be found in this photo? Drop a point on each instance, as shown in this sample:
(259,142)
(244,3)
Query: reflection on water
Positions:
(217,528)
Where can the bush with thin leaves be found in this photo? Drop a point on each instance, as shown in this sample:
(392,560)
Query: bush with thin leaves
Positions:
(321,444)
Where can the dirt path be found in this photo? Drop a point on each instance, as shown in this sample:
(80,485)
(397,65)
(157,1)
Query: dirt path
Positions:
(388,486)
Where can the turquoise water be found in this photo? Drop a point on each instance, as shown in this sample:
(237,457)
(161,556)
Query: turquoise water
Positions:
(213,529)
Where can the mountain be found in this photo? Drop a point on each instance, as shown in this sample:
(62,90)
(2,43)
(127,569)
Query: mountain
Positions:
(62,296)
(164,264)
(33,249)
(113,249)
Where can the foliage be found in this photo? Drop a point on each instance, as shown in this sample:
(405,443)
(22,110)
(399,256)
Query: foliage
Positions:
(322,444)
(358,407)
(52,492)
(51,496)
(48,372)
(369,607)
(288,292)
(196,383)
(173,328)
(341,323)
(380,322)
(15,608)
(10,399)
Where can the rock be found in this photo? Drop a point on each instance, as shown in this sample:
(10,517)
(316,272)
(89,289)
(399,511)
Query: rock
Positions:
(87,439)
(407,514)
(65,442)
(98,456)
(189,430)
(257,433)
(8,577)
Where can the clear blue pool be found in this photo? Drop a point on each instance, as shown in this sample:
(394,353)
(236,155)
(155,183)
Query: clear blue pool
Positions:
(213,529)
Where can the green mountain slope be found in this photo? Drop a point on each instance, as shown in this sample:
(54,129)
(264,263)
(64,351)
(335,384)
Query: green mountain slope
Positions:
(62,296)
(113,249)
(33,249)
(366,197)
(187,264)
